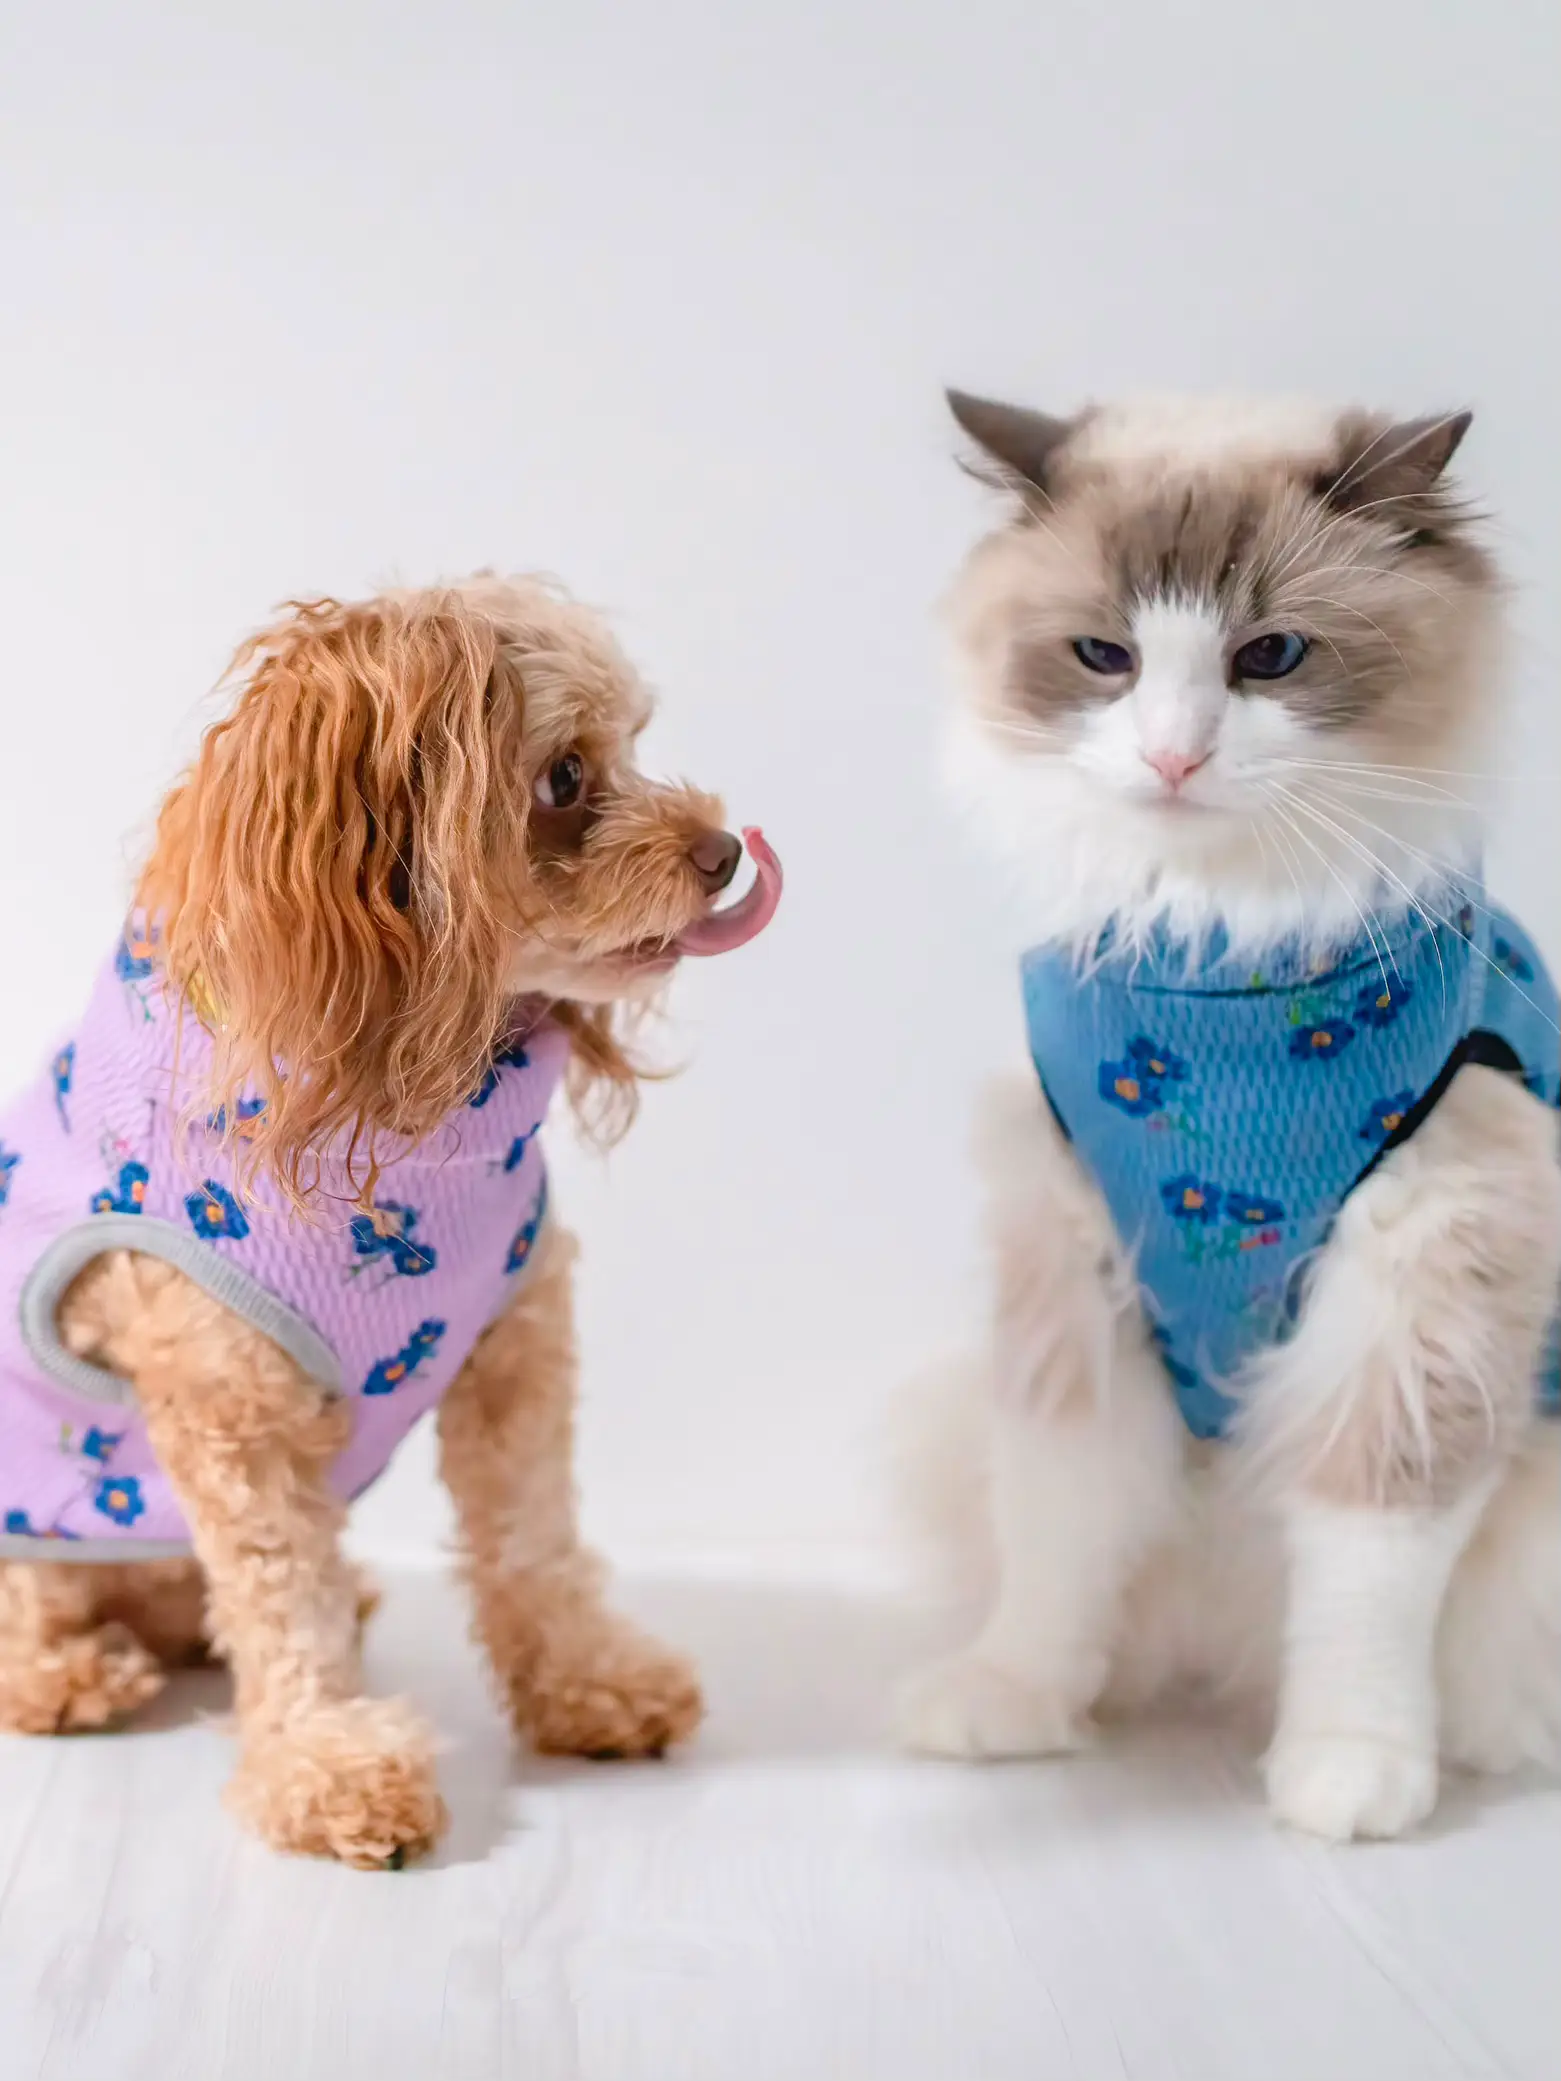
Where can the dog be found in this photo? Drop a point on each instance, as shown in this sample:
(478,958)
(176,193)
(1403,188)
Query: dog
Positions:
(282,1192)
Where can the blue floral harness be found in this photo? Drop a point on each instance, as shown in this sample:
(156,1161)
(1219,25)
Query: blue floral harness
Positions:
(1227,1112)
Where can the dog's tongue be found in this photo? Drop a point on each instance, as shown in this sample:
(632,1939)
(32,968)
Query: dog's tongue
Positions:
(748,916)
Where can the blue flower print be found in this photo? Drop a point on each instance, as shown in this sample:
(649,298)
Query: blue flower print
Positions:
(387,1232)
(128,1196)
(247,1109)
(133,956)
(1252,1210)
(1155,1062)
(1380,1003)
(1324,1042)
(517,1151)
(62,1069)
(214,1212)
(1123,1084)
(119,1497)
(9,1159)
(1510,961)
(1188,1198)
(20,1526)
(385,1377)
(525,1236)
(1137,1083)
(99,1445)
(1386,1116)
(512,1057)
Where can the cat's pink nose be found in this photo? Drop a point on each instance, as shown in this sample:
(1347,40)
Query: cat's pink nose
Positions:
(1174,767)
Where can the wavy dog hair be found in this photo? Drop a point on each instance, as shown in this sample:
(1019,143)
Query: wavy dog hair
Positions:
(345,875)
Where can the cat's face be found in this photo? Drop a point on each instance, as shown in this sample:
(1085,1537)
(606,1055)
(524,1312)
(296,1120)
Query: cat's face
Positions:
(1223,660)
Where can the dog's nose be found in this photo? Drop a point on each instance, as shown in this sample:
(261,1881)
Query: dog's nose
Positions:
(715,858)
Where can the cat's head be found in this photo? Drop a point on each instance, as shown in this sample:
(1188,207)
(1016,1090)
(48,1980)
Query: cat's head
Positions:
(1223,662)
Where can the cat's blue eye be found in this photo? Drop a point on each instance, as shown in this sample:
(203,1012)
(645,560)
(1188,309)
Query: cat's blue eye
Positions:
(1113,659)
(1270,657)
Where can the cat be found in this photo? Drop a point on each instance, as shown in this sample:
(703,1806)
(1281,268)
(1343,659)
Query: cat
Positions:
(1229,671)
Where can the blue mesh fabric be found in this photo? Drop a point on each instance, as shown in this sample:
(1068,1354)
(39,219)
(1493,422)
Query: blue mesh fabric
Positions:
(1227,1110)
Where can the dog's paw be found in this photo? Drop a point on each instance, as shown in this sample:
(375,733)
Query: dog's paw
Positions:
(353,1780)
(610,1692)
(86,1681)
(970,1708)
(1340,1786)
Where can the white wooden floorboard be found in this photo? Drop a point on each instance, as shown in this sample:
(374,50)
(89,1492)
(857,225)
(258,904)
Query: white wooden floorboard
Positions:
(791,1902)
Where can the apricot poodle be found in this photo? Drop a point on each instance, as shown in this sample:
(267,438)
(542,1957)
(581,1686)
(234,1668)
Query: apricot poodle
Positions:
(282,1192)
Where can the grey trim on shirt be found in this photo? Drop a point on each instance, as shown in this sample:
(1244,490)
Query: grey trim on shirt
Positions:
(38,1546)
(73,1251)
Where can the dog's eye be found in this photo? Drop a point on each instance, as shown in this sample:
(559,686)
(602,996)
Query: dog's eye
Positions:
(563,784)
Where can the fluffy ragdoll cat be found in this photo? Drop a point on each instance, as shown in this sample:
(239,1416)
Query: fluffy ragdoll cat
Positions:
(1277,1230)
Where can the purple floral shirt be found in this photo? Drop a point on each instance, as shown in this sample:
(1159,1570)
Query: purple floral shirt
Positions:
(102,1153)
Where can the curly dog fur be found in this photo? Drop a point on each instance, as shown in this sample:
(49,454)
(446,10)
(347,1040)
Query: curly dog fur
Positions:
(363,869)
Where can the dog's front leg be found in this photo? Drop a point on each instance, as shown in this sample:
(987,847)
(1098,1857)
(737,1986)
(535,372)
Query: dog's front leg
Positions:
(1390,1414)
(246,1441)
(577,1679)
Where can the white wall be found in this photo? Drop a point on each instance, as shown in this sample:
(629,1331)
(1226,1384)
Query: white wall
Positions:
(299,298)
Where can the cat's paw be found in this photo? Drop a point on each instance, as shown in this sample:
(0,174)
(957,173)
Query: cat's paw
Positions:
(1340,1786)
(970,1708)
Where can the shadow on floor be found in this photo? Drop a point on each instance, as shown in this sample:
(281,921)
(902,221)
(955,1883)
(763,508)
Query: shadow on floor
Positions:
(790,1672)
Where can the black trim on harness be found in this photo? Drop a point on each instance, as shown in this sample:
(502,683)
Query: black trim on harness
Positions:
(1480,1050)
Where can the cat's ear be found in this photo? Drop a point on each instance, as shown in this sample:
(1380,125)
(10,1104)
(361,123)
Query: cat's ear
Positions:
(1023,444)
(1381,461)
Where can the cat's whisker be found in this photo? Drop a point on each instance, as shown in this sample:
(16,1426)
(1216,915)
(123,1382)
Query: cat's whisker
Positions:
(1451,867)
(1032,735)
(1039,521)
(1450,874)
(1406,773)
(1441,801)
(1355,470)
(1399,771)
(1452,871)
(1447,876)
(1360,910)
(1397,789)
(1345,607)
(1289,859)
(1371,858)
(1360,569)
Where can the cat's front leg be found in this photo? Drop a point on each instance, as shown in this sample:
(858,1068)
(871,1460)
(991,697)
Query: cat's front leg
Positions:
(1083,1457)
(1390,1414)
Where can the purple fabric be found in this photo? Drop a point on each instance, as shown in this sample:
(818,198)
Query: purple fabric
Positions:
(103,1141)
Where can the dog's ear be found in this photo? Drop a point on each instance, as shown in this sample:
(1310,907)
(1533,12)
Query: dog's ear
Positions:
(1022,444)
(323,875)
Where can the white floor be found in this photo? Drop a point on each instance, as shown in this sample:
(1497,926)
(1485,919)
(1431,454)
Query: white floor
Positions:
(790,1902)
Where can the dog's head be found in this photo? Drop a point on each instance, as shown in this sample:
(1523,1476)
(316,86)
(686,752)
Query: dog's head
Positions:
(421,809)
